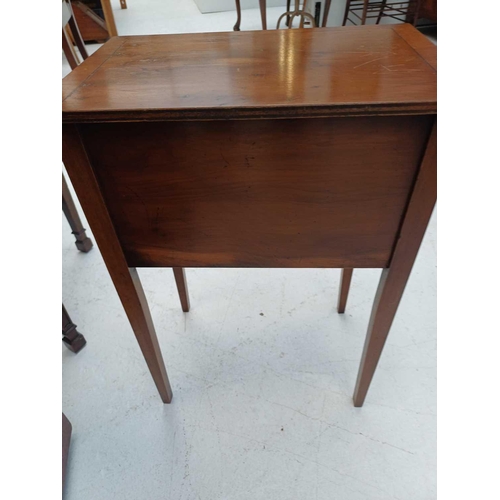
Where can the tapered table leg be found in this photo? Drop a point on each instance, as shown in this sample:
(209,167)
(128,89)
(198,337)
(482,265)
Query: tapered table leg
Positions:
(126,280)
(182,289)
(345,283)
(394,279)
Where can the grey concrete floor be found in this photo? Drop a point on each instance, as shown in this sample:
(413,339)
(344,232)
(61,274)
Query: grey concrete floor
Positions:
(262,369)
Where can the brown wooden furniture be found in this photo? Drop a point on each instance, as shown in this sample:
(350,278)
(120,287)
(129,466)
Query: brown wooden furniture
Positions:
(72,338)
(361,10)
(83,242)
(96,19)
(292,148)
(70,34)
(66,439)
(299,12)
(262,6)
(427,10)
(93,27)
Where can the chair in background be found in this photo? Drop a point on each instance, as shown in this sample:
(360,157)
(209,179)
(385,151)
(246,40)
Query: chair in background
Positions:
(83,242)
(72,338)
(296,12)
(404,11)
(262,5)
(70,34)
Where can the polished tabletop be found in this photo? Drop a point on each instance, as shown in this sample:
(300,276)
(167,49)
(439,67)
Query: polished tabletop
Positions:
(361,70)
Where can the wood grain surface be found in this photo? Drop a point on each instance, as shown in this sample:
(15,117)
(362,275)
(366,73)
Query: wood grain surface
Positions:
(276,73)
(258,193)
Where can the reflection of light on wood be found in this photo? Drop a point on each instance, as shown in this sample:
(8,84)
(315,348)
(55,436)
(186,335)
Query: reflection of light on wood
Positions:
(287,55)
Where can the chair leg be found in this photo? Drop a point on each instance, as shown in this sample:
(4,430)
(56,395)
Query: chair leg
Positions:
(83,242)
(365,12)
(346,13)
(123,4)
(326,12)
(68,51)
(382,7)
(345,283)
(238,16)
(72,339)
(78,38)
(182,289)
(263,15)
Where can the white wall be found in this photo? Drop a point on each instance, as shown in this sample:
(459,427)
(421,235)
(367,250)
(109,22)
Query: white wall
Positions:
(207,6)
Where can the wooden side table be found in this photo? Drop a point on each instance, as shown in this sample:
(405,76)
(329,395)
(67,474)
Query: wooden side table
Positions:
(294,148)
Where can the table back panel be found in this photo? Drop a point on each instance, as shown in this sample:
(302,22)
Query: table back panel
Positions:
(327,192)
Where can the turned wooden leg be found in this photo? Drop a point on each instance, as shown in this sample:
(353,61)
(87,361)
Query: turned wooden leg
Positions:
(326,12)
(125,279)
(263,15)
(238,16)
(123,4)
(83,242)
(345,283)
(180,281)
(73,340)
(393,280)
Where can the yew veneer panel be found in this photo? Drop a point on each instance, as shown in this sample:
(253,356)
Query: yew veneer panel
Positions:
(327,192)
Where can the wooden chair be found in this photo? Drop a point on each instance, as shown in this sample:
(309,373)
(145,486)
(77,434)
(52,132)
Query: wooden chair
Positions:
(296,12)
(70,34)
(404,11)
(262,5)
(83,242)
(72,338)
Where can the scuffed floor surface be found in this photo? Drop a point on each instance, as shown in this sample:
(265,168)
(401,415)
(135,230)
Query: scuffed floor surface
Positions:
(263,369)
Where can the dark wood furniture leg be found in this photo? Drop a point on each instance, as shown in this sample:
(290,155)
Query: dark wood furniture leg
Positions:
(394,278)
(78,38)
(125,279)
(180,281)
(238,18)
(326,12)
(382,7)
(66,438)
(72,338)
(346,12)
(345,283)
(83,242)
(263,14)
(68,51)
